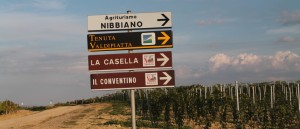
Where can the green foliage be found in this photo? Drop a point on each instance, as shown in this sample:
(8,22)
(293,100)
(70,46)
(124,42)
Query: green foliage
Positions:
(7,107)
(119,108)
(117,122)
(140,123)
(36,108)
(104,110)
(205,105)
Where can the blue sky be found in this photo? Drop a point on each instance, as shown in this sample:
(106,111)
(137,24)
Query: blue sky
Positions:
(43,49)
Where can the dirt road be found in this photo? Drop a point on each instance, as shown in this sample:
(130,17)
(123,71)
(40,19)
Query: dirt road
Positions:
(75,117)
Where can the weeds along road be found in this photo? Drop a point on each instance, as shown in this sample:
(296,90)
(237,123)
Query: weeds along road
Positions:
(75,117)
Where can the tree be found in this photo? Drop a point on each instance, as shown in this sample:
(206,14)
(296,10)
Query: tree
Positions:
(8,106)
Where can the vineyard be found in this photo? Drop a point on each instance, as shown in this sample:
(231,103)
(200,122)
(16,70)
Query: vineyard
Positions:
(239,105)
(243,105)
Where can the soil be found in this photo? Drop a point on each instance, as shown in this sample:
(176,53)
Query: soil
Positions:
(91,116)
(70,117)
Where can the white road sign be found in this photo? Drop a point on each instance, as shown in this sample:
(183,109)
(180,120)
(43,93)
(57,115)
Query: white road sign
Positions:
(129,21)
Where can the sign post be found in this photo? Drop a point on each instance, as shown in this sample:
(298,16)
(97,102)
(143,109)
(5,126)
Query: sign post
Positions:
(133,79)
(132,96)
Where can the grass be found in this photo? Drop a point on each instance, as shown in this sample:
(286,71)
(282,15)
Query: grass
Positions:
(118,122)
(87,110)
(74,119)
(141,124)
(36,108)
(104,110)
(119,108)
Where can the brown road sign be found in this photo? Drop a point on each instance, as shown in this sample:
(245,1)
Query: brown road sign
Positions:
(130,61)
(133,80)
(128,41)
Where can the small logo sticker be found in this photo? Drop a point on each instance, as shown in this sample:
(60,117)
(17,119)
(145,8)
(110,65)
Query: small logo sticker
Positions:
(148,60)
(148,38)
(151,79)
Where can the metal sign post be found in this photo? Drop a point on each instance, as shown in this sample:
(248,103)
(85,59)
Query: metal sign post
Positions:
(159,63)
(133,109)
(132,96)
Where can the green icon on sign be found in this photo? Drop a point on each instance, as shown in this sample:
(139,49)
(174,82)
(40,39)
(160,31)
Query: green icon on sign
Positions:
(148,38)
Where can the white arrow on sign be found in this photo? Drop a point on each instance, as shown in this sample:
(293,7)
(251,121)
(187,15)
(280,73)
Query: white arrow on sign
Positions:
(167,78)
(165,59)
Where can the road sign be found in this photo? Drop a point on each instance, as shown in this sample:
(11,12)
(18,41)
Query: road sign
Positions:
(127,41)
(133,80)
(130,61)
(129,21)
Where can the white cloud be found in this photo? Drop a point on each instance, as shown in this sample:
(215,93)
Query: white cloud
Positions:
(219,61)
(43,52)
(246,59)
(183,71)
(240,63)
(25,60)
(287,39)
(285,30)
(285,60)
(27,26)
(290,18)
(282,60)
(223,68)
(187,75)
(290,22)
(248,67)
(20,26)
